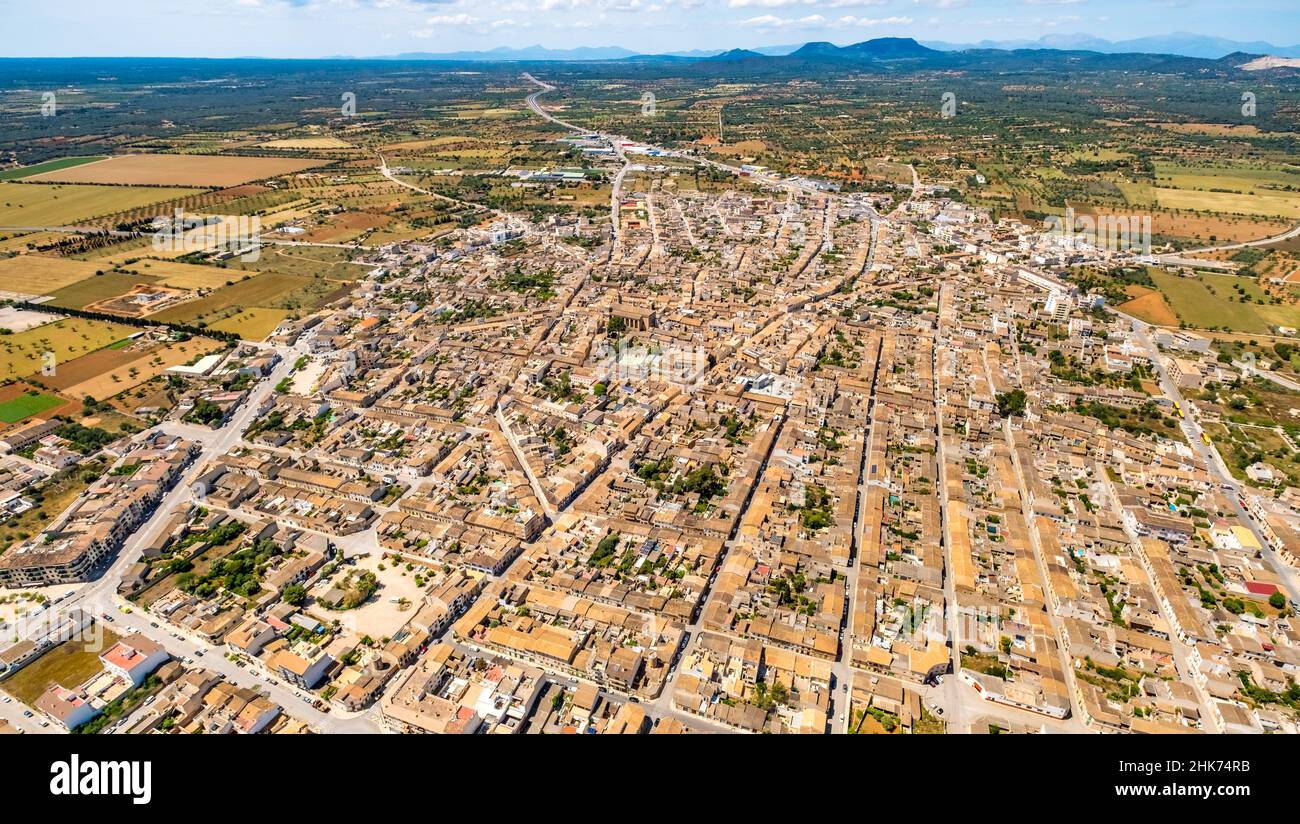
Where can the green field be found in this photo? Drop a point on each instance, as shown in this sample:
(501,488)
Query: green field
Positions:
(1228,189)
(272,290)
(48,166)
(1204,302)
(252,324)
(26,405)
(43,204)
(94,289)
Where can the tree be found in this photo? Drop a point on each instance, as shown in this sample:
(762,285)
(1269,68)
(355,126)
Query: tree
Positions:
(1011,403)
(1277,600)
(294,594)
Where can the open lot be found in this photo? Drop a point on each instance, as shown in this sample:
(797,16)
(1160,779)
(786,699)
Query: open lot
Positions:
(67,665)
(178,170)
(139,369)
(20,320)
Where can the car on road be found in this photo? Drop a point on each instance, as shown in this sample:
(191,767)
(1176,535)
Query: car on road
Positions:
(27,713)
(153,624)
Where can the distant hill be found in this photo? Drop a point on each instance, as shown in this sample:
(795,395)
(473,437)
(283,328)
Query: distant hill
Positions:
(1180,43)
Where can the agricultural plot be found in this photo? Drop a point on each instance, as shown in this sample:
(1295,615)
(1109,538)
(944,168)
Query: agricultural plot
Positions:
(1237,189)
(27,403)
(37,275)
(272,290)
(97,288)
(213,171)
(48,166)
(29,204)
(252,324)
(307,143)
(139,367)
(1211,302)
(23,353)
(183,275)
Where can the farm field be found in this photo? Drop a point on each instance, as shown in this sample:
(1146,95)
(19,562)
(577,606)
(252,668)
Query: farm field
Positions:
(209,171)
(183,275)
(1269,204)
(1150,307)
(37,275)
(269,290)
(252,324)
(48,166)
(95,289)
(29,204)
(1203,302)
(67,665)
(68,339)
(139,367)
(26,404)
(307,143)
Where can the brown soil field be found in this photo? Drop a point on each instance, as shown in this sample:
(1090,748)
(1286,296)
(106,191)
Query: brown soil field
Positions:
(103,385)
(87,366)
(345,223)
(179,170)
(133,303)
(1235,129)
(1151,308)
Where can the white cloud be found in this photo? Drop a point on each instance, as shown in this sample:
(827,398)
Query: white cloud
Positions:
(850,20)
(777,4)
(451,20)
(770,21)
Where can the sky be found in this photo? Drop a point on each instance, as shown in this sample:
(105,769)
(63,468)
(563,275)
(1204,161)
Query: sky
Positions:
(320,28)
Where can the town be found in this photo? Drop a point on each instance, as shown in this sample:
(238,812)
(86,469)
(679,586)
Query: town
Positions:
(719,449)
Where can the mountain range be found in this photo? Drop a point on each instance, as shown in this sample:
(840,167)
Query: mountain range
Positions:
(1180,44)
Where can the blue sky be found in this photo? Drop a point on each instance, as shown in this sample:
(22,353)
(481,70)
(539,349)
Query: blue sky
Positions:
(315,28)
